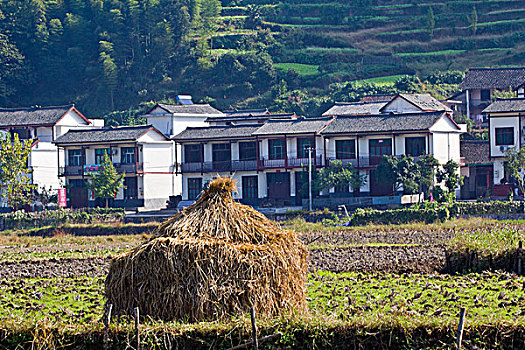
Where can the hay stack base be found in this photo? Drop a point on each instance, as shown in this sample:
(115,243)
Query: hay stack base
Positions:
(213,260)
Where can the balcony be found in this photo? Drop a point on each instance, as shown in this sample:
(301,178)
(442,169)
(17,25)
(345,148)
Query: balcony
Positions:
(74,170)
(248,165)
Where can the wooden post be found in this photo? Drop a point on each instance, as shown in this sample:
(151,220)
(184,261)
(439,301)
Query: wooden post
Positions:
(520,264)
(254,329)
(137,330)
(107,320)
(461,325)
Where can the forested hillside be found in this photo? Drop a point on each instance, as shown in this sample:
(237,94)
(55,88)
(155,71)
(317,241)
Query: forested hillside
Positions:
(113,55)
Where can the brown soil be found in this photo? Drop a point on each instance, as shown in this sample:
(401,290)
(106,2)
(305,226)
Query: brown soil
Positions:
(92,267)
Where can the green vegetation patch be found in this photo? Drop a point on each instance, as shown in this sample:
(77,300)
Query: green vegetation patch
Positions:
(413,299)
(301,69)
(75,301)
(388,79)
(431,53)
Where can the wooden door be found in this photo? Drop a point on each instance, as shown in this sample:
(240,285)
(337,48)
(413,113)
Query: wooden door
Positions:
(379,189)
(278,185)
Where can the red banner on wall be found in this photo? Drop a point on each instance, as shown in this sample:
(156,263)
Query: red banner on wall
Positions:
(62,198)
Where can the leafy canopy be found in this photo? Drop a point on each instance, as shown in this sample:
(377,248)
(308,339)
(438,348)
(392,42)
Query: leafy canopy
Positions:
(107,181)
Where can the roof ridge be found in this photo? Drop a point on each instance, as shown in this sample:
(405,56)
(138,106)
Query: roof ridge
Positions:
(36,107)
(499,68)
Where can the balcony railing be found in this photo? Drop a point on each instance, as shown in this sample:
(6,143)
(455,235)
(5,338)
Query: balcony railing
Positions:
(248,165)
(72,170)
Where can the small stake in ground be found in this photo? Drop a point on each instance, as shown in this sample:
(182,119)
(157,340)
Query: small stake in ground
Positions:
(520,265)
(254,329)
(461,325)
(137,327)
(107,320)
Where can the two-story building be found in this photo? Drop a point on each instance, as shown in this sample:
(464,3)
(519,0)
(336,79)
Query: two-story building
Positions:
(43,125)
(144,154)
(506,131)
(479,84)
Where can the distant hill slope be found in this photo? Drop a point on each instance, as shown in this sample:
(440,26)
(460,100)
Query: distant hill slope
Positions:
(366,38)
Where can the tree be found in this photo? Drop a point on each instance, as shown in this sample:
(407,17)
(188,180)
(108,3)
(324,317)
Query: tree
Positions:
(253,17)
(473,20)
(431,22)
(427,172)
(107,181)
(448,175)
(339,175)
(515,162)
(15,174)
(210,11)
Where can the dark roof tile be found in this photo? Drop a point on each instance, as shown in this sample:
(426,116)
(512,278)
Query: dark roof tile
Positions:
(383,123)
(354,108)
(216,132)
(294,126)
(189,109)
(475,152)
(493,78)
(506,105)
(106,134)
(32,115)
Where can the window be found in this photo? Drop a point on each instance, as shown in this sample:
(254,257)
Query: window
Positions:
(379,148)
(250,187)
(485,95)
(99,154)
(221,152)
(194,188)
(23,134)
(276,149)
(302,147)
(127,155)
(75,157)
(342,188)
(131,189)
(414,146)
(345,149)
(247,150)
(193,154)
(504,136)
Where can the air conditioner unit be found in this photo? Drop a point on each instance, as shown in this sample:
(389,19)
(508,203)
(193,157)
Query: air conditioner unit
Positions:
(503,148)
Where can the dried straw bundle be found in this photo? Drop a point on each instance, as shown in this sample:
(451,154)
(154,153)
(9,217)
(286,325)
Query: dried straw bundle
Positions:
(214,259)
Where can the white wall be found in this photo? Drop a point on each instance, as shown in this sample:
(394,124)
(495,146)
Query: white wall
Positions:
(502,122)
(400,105)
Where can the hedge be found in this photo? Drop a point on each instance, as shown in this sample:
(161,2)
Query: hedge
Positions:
(434,212)
(27,220)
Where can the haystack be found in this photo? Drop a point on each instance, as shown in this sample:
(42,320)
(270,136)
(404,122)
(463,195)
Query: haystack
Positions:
(215,259)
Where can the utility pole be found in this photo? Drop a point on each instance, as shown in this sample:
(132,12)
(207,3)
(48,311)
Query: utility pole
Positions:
(310,178)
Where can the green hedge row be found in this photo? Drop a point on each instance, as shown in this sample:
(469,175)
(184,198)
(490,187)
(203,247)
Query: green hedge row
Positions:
(434,212)
(28,220)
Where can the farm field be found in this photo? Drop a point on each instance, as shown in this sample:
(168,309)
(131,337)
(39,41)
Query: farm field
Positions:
(374,286)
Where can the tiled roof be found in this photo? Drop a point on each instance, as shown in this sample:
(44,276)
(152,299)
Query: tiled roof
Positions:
(189,109)
(383,123)
(475,151)
(493,78)
(354,108)
(506,105)
(32,115)
(247,113)
(295,126)
(423,101)
(377,98)
(216,132)
(106,134)
(237,118)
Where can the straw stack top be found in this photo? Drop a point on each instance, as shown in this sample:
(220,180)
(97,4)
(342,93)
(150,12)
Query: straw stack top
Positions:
(216,216)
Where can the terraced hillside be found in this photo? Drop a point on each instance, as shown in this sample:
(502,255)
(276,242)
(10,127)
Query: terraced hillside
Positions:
(350,40)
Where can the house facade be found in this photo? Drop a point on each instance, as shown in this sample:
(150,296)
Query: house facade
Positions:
(479,85)
(506,131)
(143,153)
(476,169)
(43,125)
(270,160)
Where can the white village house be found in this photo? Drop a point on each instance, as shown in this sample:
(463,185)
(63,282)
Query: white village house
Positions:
(269,160)
(145,154)
(506,131)
(43,125)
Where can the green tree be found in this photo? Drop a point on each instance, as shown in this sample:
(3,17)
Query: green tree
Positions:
(431,22)
(515,163)
(339,175)
(253,17)
(210,11)
(427,172)
(107,181)
(473,20)
(448,175)
(11,62)
(15,174)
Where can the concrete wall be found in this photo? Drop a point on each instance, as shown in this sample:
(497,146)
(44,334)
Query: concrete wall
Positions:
(400,105)
(502,122)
